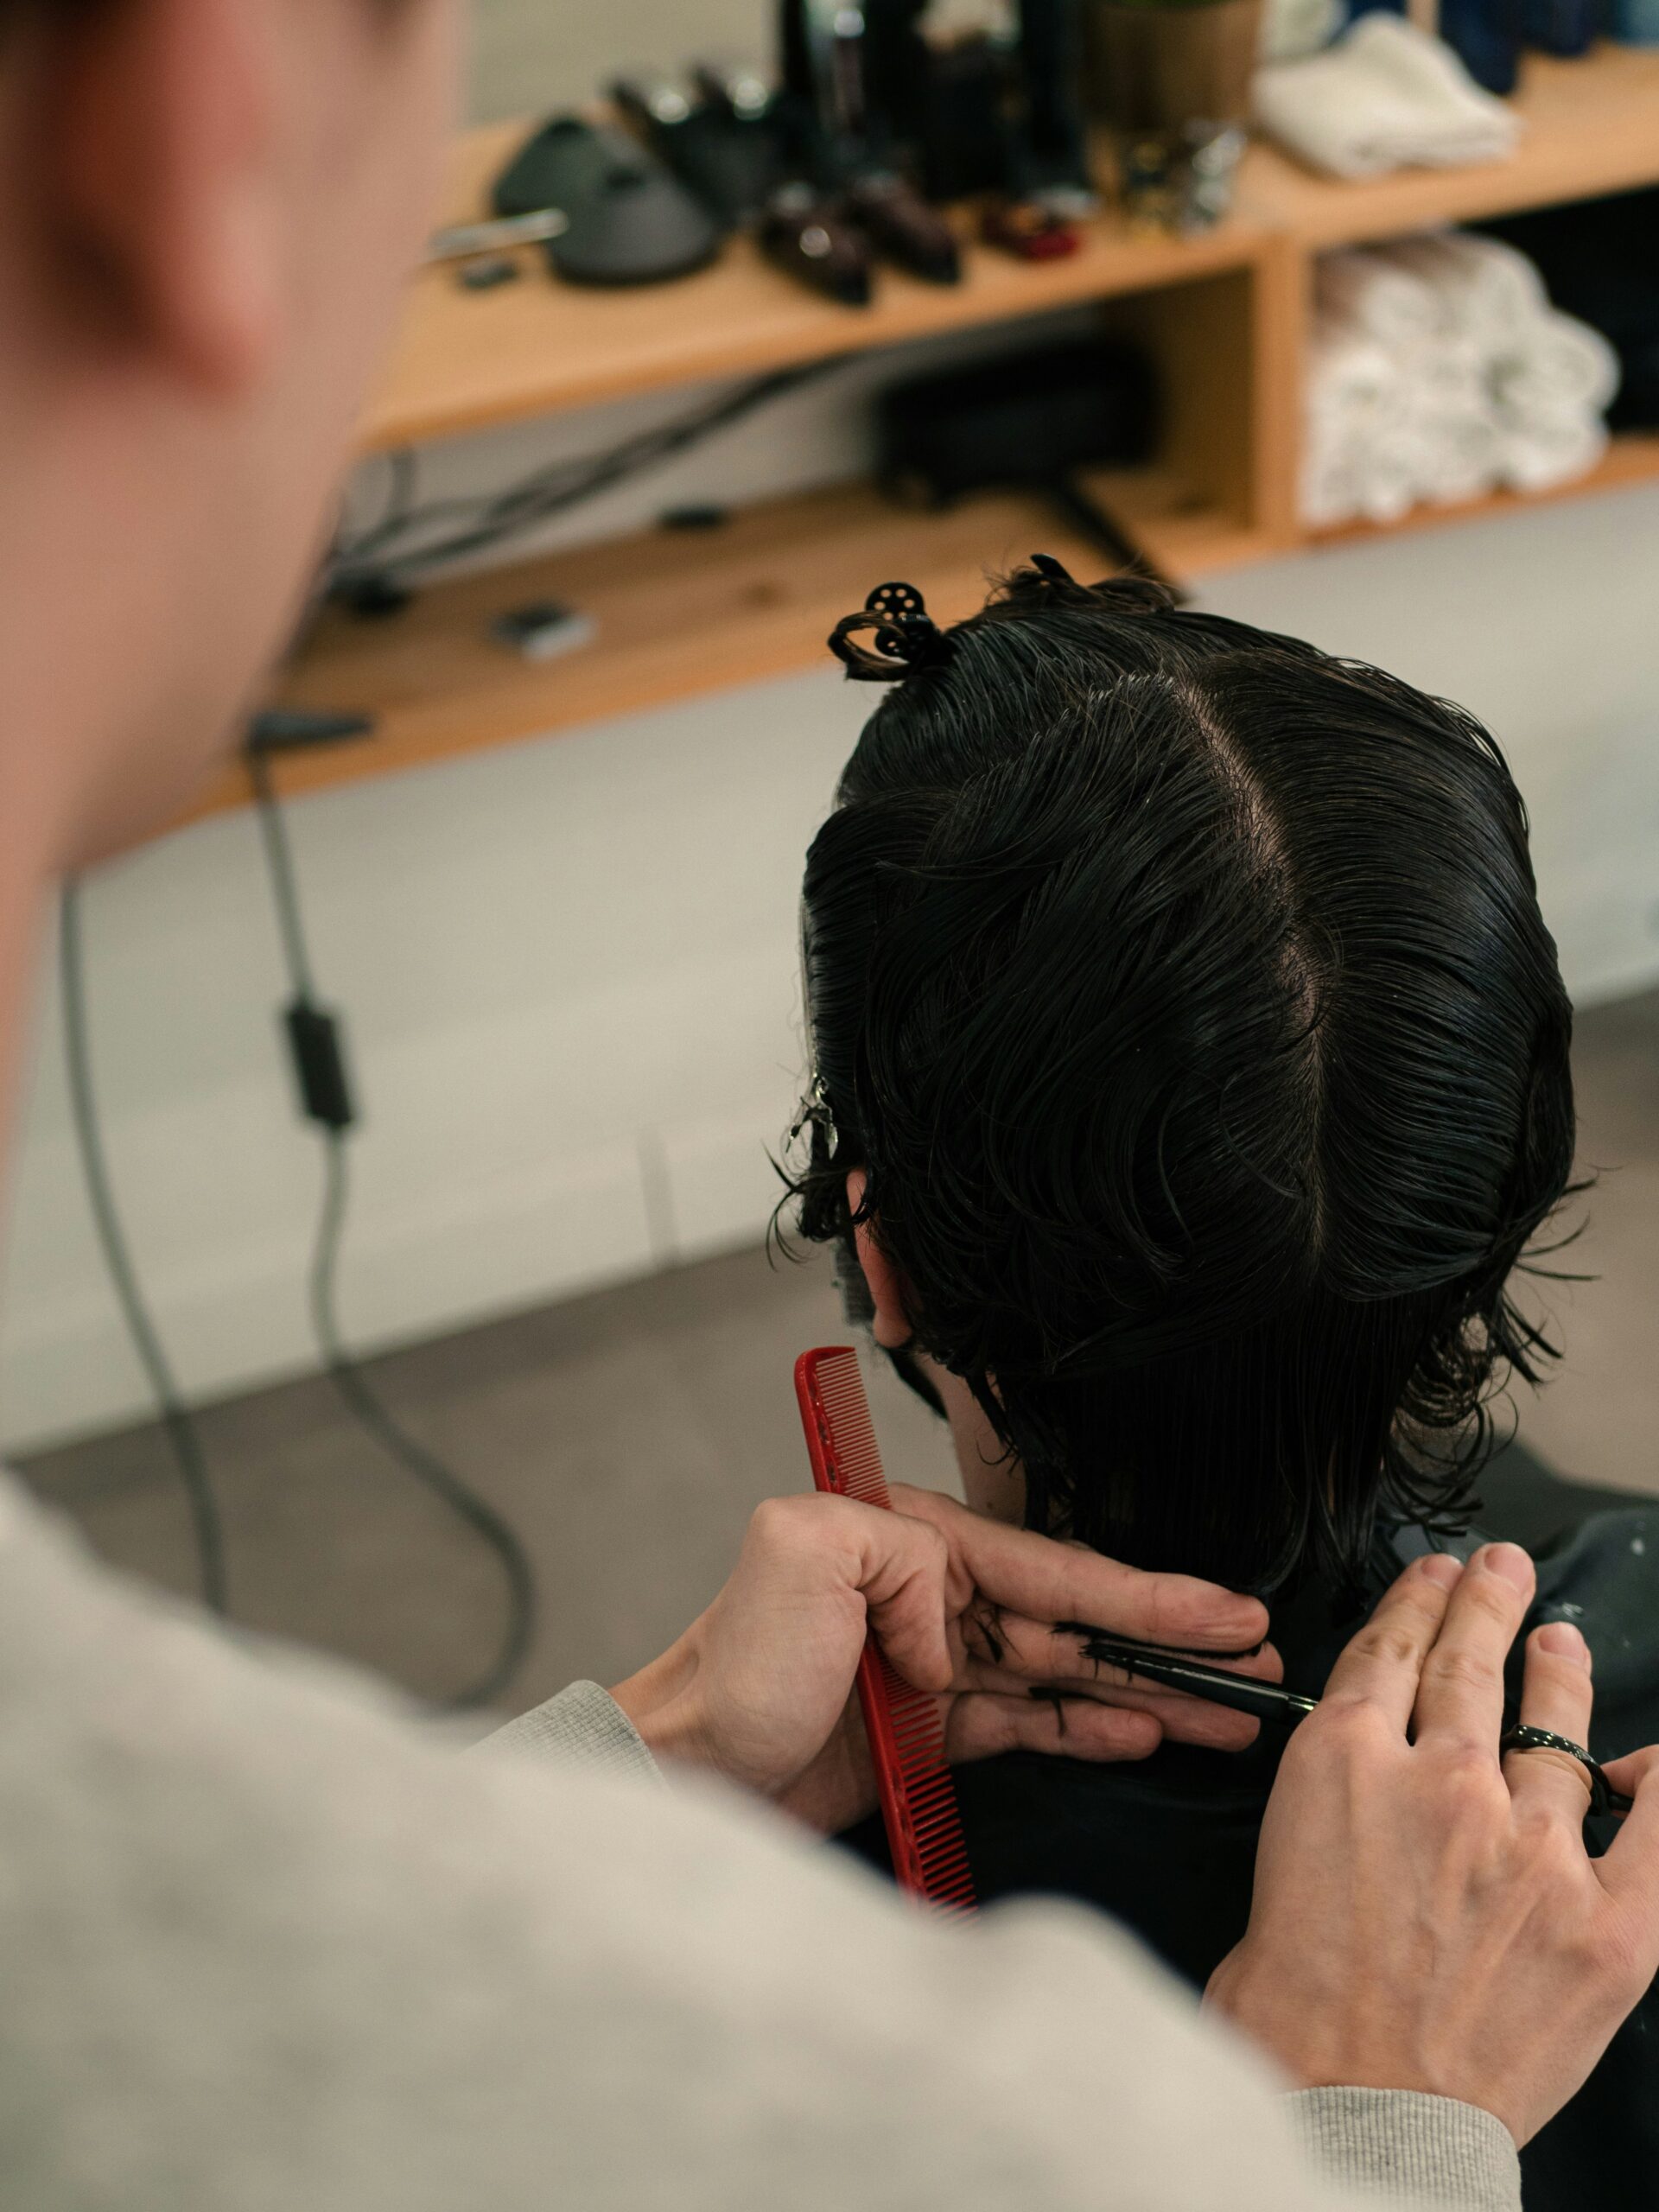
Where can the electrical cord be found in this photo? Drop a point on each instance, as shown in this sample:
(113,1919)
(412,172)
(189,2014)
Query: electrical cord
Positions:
(182,1431)
(398,510)
(377,559)
(314,1036)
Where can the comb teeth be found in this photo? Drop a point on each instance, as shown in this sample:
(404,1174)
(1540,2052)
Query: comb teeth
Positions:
(918,1797)
(854,1455)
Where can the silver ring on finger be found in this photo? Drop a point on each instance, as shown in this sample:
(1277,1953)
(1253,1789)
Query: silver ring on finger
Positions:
(1603,1798)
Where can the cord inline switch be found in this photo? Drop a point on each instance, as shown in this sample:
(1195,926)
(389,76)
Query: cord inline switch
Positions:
(318,1055)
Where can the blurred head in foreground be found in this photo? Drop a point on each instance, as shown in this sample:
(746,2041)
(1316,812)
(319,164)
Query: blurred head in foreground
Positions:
(207,210)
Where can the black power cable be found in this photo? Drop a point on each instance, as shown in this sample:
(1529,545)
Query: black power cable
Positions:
(315,1042)
(182,1431)
(383,556)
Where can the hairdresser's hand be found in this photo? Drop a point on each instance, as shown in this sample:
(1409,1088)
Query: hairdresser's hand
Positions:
(1425,1918)
(761,1687)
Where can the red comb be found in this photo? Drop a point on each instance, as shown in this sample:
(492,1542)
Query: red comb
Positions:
(918,1799)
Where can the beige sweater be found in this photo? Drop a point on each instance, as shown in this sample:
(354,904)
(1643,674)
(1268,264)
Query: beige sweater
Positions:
(268,1944)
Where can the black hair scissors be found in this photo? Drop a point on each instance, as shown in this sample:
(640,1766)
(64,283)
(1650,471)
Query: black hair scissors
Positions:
(1181,1670)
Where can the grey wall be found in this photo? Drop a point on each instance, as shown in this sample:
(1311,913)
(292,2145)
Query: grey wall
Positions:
(529,55)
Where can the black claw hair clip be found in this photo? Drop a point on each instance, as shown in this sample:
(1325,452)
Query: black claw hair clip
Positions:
(903,636)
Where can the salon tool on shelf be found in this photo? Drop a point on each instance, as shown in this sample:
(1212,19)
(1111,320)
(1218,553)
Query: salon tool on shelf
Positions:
(901,226)
(1028,230)
(1049,150)
(822,52)
(718,137)
(918,1799)
(1180,1671)
(843,144)
(628,219)
(805,235)
(735,85)
(462,241)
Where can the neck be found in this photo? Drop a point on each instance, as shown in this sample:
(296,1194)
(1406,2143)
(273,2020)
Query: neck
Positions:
(991,1484)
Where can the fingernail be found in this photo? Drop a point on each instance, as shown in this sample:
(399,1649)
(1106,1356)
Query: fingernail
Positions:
(1441,1567)
(1565,1641)
(1509,1561)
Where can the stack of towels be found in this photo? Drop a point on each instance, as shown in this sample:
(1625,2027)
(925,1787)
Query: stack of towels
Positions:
(1438,371)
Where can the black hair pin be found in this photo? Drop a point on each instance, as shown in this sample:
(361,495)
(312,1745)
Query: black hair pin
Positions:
(903,636)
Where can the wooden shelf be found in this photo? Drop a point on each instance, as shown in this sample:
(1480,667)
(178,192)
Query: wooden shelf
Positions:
(675,616)
(469,361)
(1223,314)
(473,360)
(1590,126)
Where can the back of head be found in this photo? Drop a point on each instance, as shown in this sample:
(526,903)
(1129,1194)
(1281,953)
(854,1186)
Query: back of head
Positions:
(1184,993)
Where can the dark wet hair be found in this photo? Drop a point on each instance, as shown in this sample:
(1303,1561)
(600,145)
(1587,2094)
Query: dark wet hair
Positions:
(1183,992)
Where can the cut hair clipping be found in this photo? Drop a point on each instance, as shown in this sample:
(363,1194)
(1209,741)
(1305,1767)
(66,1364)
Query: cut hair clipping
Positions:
(903,636)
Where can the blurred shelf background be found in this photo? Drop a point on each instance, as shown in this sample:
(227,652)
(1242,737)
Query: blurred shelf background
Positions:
(1223,315)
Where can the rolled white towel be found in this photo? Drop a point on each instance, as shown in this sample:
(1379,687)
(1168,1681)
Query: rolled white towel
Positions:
(1354,485)
(1362,290)
(1436,370)
(1545,450)
(1462,452)
(1326,494)
(1387,96)
(1560,366)
(1363,458)
(1479,285)
(1351,376)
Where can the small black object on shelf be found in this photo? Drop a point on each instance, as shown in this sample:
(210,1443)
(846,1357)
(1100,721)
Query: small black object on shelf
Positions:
(488,276)
(1031,422)
(374,597)
(807,236)
(717,137)
(541,629)
(629,221)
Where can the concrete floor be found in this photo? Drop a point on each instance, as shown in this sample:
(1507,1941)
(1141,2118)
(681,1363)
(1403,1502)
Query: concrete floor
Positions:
(627,1435)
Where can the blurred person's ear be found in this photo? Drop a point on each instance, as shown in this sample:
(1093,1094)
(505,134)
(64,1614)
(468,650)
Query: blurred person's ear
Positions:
(893,1325)
(164,181)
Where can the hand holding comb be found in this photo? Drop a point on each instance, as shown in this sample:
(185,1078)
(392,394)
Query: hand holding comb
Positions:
(907,1737)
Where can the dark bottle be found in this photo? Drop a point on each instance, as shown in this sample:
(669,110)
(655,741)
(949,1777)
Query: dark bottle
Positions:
(1485,36)
(1564,27)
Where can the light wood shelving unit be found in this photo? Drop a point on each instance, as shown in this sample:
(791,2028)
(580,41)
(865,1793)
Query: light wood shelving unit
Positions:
(1223,314)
